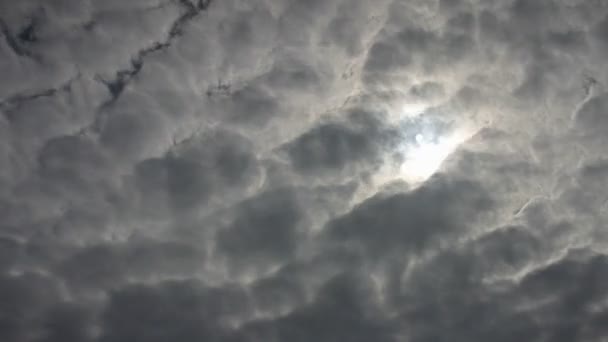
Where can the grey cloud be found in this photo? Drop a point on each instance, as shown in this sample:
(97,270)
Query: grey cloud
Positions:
(10,252)
(62,112)
(185,181)
(168,311)
(583,206)
(507,250)
(232,170)
(383,56)
(68,322)
(26,299)
(71,156)
(345,299)
(428,91)
(575,299)
(251,106)
(547,303)
(264,232)
(438,50)
(292,74)
(277,294)
(600,32)
(343,309)
(349,28)
(129,135)
(185,178)
(495,152)
(411,222)
(112,266)
(592,116)
(340,147)
(330,146)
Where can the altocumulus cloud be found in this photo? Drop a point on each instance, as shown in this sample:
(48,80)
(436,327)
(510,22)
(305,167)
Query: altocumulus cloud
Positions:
(239,171)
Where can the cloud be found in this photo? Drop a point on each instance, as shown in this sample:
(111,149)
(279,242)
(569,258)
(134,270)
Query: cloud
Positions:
(264,228)
(332,147)
(412,221)
(174,310)
(234,171)
(342,310)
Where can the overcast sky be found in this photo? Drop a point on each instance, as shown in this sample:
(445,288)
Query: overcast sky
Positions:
(303,170)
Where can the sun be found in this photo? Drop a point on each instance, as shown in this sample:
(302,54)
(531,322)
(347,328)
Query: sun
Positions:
(426,145)
(424,157)
(428,138)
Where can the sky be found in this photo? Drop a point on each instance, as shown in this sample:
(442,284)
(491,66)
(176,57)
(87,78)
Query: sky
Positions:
(291,170)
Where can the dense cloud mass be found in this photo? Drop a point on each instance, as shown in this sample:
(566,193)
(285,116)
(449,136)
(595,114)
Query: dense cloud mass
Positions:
(291,170)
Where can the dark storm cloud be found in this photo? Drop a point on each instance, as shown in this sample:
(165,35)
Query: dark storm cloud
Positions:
(231,170)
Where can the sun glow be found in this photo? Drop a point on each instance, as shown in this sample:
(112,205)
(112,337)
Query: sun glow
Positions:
(425,155)
(413,109)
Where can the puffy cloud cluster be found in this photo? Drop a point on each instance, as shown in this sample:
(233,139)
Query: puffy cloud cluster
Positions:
(228,170)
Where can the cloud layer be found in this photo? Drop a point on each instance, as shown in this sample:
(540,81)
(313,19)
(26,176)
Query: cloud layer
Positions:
(206,170)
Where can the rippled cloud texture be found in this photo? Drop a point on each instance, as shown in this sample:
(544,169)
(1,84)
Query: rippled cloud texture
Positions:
(232,170)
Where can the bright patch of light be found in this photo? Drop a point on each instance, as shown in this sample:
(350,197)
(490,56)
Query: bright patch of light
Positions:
(424,156)
(413,109)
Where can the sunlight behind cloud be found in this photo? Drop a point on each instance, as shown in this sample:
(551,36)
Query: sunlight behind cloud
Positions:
(413,109)
(426,154)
